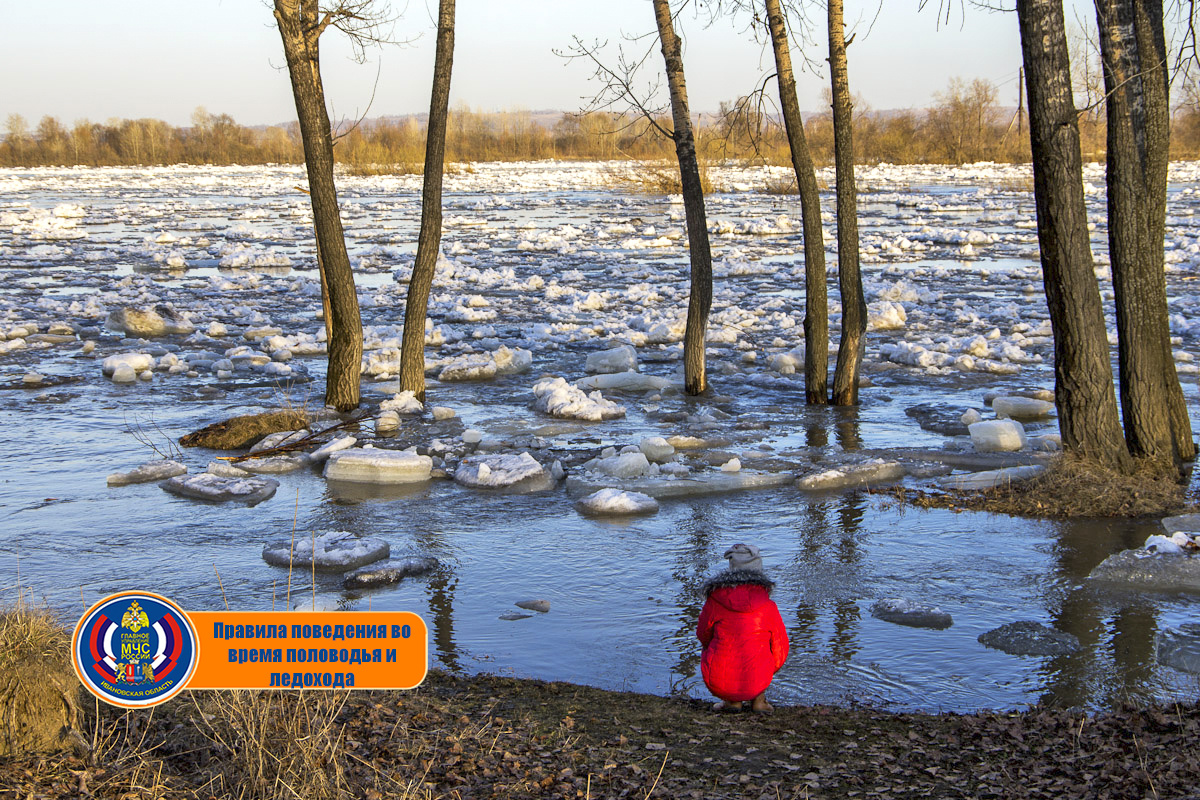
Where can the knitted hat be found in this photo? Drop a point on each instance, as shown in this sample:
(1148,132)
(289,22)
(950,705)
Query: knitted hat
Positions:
(744,556)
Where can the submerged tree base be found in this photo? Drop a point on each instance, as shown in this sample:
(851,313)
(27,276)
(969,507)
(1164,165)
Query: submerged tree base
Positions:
(1071,487)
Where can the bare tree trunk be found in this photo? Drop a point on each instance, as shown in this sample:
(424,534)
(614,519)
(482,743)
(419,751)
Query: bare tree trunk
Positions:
(1084,395)
(412,351)
(700,297)
(816,304)
(300,28)
(1152,47)
(1138,281)
(854,306)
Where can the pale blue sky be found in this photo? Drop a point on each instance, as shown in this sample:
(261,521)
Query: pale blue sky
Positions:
(163,58)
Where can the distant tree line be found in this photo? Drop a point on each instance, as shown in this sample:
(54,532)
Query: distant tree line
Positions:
(965,124)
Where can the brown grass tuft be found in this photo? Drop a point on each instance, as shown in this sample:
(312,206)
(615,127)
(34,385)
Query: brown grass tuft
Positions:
(1072,486)
(656,177)
(274,744)
(39,693)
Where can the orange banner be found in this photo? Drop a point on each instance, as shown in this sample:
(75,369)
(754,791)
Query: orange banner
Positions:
(323,650)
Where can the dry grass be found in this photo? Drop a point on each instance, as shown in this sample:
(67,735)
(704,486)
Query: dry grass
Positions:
(1072,487)
(39,693)
(369,169)
(781,185)
(274,744)
(655,177)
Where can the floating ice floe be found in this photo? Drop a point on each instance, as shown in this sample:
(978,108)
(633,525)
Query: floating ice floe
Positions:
(150,471)
(1021,408)
(329,448)
(868,473)
(997,435)
(662,486)
(148,323)
(1150,570)
(624,465)
(1030,638)
(484,366)
(614,502)
(335,551)
(558,398)
(624,382)
(884,315)
(389,572)
(656,449)
(226,470)
(405,402)
(943,418)
(387,421)
(618,359)
(1179,648)
(1181,522)
(370,465)
(989,479)
(274,465)
(504,471)
(540,606)
(915,615)
(128,363)
(206,486)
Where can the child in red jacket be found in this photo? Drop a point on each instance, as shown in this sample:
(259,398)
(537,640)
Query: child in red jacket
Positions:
(741,632)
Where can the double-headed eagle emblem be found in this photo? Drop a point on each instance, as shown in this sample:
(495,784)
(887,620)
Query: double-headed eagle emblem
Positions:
(135,618)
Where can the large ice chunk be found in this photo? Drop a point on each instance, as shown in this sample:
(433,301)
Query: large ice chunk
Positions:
(1144,569)
(150,471)
(1022,408)
(625,465)
(206,486)
(369,465)
(484,366)
(624,382)
(618,359)
(1030,638)
(405,402)
(989,479)
(138,362)
(389,572)
(1179,648)
(997,435)
(145,323)
(558,398)
(696,484)
(614,502)
(656,449)
(866,474)
(335,551)
(902,611)
(503,471)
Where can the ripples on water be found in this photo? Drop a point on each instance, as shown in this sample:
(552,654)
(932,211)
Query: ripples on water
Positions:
(624,594)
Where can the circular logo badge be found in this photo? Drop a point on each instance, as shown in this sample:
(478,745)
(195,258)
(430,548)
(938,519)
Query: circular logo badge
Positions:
(134,649)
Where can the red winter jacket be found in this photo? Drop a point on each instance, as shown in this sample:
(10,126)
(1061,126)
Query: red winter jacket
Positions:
(742,634)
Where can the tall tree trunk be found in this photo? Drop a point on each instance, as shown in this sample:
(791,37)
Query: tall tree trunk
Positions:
(700,296)
(854,306)
(300,28)
(1084,394)
(816,304)
(412,350)
(1138,281)
(1152,46)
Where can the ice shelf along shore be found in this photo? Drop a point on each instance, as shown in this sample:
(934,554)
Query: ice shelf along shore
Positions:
(554,454)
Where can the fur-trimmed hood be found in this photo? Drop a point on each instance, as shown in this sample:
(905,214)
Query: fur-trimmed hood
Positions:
(737,577)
